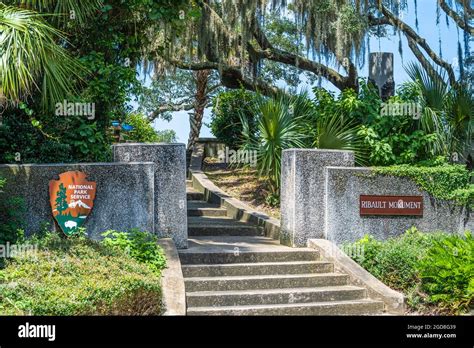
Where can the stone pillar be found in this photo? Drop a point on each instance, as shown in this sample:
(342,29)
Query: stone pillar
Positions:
(170,185)
(303,190)
(381,73)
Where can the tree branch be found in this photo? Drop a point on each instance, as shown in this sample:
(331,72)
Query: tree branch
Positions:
(408,31)
(170,108)
(194,66)
(302,63)
(213,88)
(269,52)
(421,58)
(456,17)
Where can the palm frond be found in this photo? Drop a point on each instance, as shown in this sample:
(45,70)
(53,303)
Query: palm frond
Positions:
(32,60)
(64,10)
(335,133)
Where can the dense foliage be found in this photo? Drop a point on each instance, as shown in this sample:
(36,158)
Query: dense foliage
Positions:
(143,131)
(447,272)
(357,122)
(104,44)
(434,270)
(77,276)
(229,107)
(142,246)
(11,217)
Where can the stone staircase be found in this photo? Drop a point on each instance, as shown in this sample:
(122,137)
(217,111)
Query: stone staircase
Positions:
(231,269)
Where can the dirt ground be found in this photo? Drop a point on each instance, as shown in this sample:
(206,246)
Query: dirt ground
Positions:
(243,184)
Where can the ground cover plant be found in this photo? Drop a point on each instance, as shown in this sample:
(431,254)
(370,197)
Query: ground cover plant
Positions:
(79,276)
(435,271)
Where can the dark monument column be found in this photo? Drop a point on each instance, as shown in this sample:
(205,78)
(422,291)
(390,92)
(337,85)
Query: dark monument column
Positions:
(381,73)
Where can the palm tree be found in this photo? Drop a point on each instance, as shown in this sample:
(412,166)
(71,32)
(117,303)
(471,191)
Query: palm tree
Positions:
(447,110)
(280,123)
(32,54)
(336,132)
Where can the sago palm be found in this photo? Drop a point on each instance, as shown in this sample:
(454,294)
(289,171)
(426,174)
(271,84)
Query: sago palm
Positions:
(279,127)
(335,132)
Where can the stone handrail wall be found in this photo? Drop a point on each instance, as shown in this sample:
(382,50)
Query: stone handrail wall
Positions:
(394,301)
(235,208)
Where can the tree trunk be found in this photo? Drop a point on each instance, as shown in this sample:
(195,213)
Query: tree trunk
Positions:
(200,102)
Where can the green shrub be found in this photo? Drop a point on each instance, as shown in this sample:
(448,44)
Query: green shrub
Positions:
(57,140)
(142,246)
(77,276)
(447,272)
(433,270)
(465,196)
(225,118)
(12,211)
(395,260)
(142,132)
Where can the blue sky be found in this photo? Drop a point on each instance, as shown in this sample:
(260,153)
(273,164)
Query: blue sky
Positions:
(427,29)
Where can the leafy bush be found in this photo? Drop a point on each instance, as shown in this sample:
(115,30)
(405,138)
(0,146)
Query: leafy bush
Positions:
(395,260)
(77,276)
(465,196)
(431,269)
(166,136)
(11,217)
(51,139)
(447,272)
(143,131)
(142,246)
(228,108)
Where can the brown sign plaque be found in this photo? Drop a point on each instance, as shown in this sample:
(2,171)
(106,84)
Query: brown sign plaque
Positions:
(391,205)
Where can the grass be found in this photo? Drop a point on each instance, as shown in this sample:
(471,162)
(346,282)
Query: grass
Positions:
(77,276)
(245,185)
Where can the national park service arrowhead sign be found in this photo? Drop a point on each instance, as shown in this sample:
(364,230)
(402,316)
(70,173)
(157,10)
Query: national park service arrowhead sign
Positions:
(72,199)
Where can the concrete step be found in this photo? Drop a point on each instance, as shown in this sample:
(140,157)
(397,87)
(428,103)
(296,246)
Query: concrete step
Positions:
(220,226)
(262,268)
(237,256)
(264,282)
(193,195)
(202,208)
(273,296)
(354,307)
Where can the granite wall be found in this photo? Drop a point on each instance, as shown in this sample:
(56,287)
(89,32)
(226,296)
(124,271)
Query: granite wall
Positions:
(320,199)
(124,197)
(169,185)
(344,223)
(303,192)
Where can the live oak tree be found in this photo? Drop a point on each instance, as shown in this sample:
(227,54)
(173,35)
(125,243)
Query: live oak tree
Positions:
(184,90)
(180,90)
(231,37)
